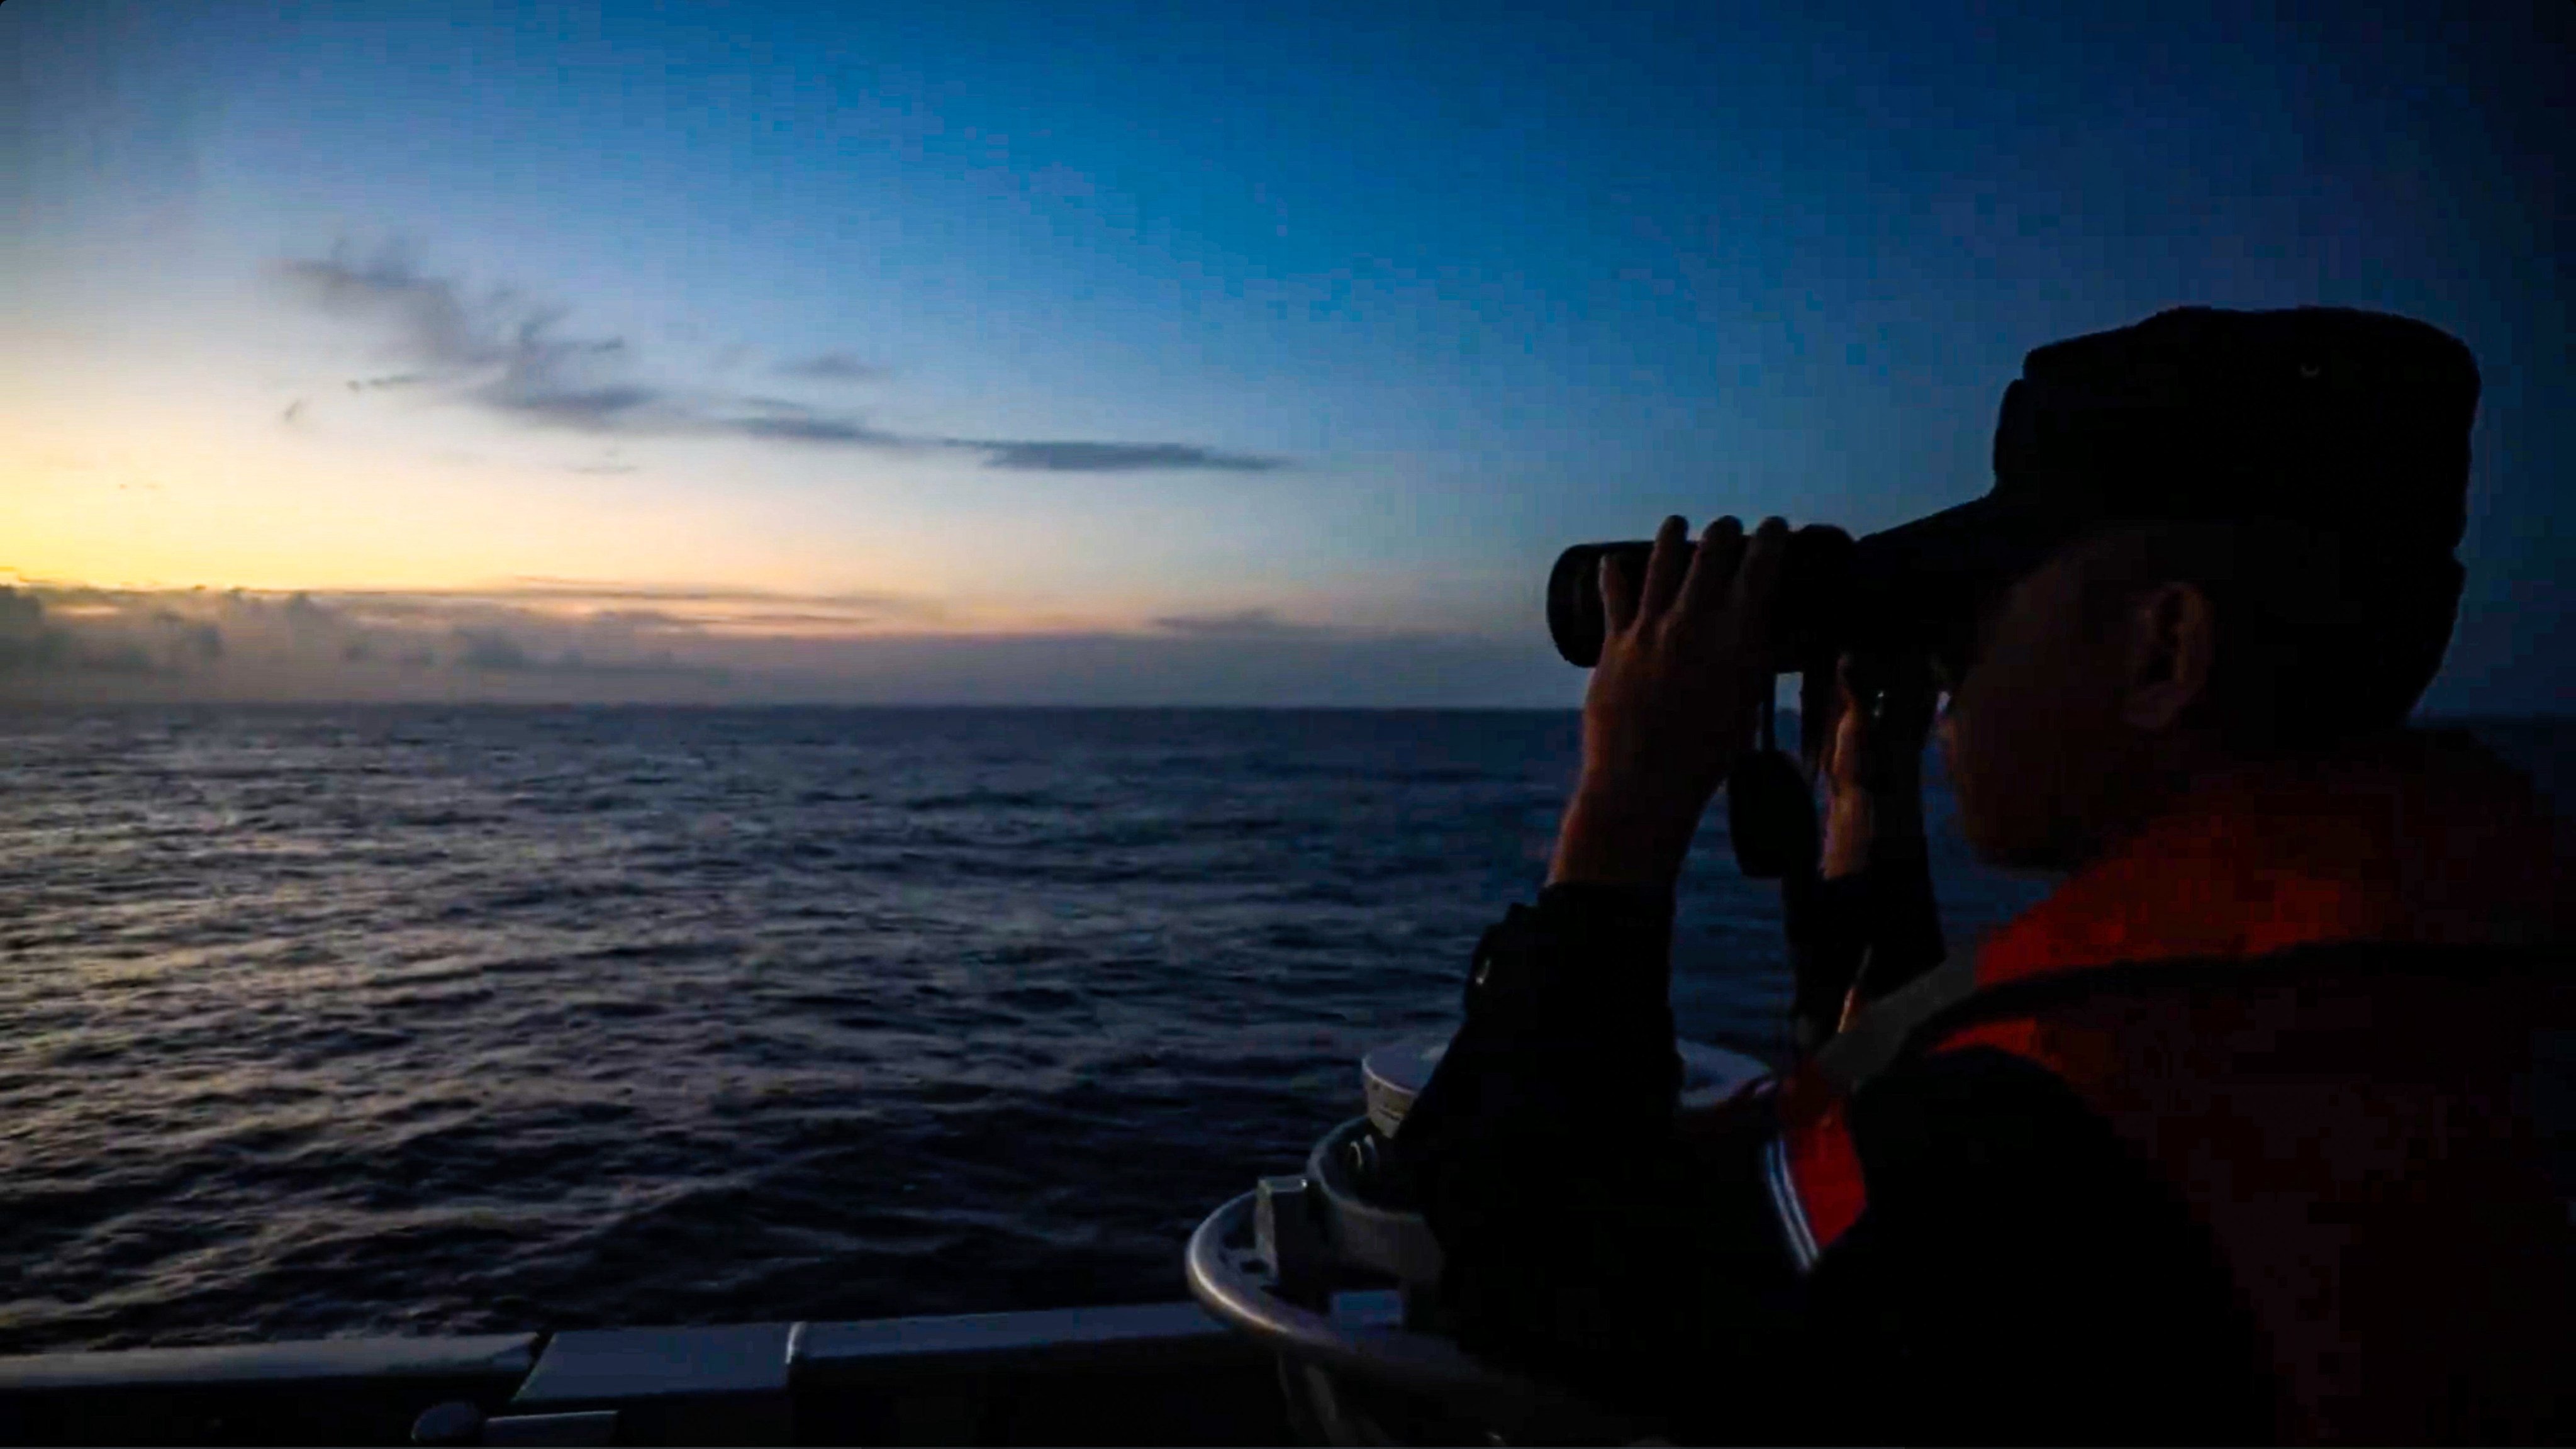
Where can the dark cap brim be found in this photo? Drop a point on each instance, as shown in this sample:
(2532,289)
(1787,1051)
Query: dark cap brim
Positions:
(1937,570)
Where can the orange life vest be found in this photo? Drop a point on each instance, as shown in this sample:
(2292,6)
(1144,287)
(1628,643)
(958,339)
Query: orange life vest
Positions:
(2352,1127)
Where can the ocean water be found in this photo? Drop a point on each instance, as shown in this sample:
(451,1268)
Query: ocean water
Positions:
(407,1020)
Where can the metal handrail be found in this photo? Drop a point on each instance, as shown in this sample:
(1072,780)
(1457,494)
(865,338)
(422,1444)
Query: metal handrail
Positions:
(1229,1278)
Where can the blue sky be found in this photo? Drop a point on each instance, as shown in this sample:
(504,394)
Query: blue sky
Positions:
(856,352)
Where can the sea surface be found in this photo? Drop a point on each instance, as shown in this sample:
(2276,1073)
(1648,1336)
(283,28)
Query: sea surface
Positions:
(323,1021)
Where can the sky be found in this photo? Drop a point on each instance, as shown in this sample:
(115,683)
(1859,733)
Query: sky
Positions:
(1148,355)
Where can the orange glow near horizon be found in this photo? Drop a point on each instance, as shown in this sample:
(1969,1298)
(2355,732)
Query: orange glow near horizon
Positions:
(185,505)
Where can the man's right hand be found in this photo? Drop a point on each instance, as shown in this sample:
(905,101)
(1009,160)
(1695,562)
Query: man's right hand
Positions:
(1869,763)
(1684,666)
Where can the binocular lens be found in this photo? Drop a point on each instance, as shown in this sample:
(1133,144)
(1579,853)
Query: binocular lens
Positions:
(1574,613)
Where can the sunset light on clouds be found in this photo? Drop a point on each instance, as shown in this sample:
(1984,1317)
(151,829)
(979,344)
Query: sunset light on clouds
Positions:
(1044,354)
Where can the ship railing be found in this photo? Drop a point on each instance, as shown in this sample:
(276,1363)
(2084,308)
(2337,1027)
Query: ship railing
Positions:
(1155,1372)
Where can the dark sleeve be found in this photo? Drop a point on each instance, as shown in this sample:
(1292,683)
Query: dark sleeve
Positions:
(1903,921)
(1826,922)
(1585,1240)
(1876,931)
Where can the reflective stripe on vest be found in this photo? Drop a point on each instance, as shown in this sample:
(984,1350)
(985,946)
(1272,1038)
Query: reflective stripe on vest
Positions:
(1812,1168)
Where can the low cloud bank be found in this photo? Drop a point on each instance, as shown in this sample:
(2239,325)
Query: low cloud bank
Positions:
(87,643)
(565,642)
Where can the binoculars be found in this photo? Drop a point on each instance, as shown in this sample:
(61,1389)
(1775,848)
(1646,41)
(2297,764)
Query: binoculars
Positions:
(1836,597)
(1829,602)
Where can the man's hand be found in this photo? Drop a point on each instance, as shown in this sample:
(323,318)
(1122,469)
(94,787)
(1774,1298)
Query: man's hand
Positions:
(1868,760)
(1684,665)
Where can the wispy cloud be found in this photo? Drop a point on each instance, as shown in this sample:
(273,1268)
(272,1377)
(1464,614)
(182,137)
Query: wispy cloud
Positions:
(498,350)
(817,429)
(1117,457)
(614,591)
(831,367)
(1240,624)
(510,356)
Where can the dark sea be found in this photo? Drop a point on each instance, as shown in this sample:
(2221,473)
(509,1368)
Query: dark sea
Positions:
(327,1021)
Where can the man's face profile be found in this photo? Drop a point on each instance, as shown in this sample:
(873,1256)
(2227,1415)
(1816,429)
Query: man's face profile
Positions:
(2035,734)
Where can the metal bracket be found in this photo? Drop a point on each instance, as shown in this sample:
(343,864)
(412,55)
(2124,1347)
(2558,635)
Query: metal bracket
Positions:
(1288,1238)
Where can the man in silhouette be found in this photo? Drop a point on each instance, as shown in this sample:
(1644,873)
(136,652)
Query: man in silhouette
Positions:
(2243,1134)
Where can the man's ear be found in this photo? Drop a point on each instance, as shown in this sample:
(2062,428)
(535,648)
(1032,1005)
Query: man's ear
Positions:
(2173,646)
